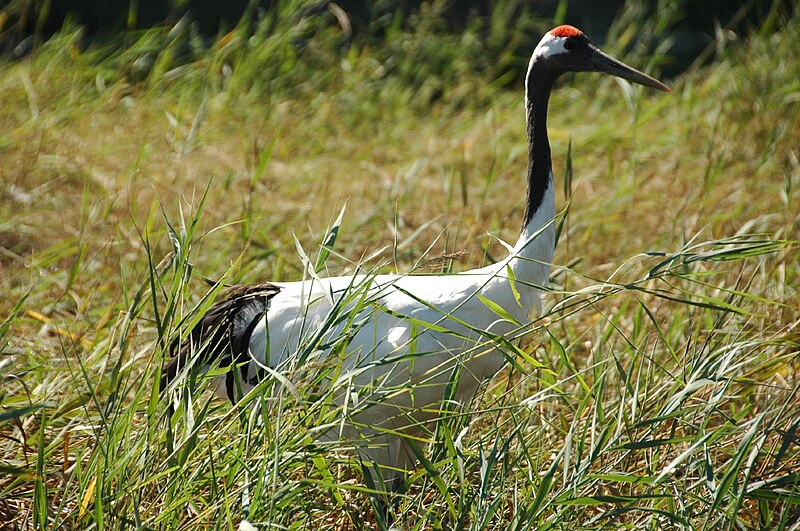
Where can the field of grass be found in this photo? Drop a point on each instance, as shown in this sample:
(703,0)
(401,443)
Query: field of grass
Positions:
(660,387)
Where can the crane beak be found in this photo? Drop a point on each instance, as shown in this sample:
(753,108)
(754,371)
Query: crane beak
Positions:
(602,62)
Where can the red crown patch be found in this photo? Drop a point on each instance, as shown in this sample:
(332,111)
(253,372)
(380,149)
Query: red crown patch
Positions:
(566,31)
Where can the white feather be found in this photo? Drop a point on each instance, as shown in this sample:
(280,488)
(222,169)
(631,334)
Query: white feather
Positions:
(396,366)
(549,46)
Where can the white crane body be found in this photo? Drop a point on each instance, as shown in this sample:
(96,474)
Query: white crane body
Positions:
(396,341)
(397,396)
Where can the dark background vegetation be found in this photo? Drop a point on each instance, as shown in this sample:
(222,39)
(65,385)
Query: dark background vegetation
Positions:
(697,23)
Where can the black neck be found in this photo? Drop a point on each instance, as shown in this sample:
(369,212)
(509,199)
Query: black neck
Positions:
(539,84)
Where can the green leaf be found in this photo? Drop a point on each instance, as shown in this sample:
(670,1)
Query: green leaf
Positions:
(327,243)
(498,310)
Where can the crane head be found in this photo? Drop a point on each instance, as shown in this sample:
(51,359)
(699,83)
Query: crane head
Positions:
(568,49)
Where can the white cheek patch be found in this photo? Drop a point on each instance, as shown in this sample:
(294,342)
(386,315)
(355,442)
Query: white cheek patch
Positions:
(549,46)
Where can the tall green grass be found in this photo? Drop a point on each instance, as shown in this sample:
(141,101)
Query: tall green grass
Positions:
(658,388)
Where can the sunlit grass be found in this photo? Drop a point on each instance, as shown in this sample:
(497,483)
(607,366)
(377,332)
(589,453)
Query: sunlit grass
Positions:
(668,395)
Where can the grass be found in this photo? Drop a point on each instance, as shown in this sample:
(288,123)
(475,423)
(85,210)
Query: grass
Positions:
(660,386)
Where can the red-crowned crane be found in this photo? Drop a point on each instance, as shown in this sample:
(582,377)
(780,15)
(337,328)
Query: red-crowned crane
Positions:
(414,334)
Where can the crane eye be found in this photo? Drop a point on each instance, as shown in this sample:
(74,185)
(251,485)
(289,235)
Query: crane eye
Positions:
(569,44)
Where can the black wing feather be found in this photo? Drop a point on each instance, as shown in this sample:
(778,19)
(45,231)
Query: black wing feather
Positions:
(223,333)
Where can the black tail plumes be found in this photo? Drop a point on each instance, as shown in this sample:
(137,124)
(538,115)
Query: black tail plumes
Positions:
(223,334)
